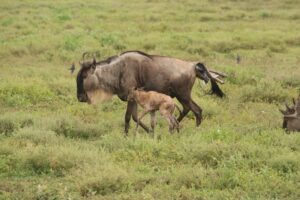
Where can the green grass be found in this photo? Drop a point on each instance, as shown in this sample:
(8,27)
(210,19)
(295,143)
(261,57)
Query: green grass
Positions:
(53,147)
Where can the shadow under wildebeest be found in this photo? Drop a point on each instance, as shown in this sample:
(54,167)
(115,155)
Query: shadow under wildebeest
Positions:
(134,69)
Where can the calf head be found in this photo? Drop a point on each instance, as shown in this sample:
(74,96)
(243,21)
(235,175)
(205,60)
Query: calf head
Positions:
(132,93)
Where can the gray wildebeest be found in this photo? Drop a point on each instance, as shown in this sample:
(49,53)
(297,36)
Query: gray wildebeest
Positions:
(134,69)
(291,116)
(153,101)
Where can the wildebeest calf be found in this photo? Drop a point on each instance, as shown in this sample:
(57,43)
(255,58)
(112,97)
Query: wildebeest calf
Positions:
(152,101)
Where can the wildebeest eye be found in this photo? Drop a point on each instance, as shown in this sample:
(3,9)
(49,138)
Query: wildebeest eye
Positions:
(201,68)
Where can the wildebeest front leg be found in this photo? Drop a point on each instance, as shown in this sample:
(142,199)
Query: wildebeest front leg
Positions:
(189,104)
(135,117)
(197,111)
(185,110)
(129,110)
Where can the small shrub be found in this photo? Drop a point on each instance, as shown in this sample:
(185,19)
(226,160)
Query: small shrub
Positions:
(107,183)
(285,164)
(7,21)
(7,127)
(189,178)
(42,160)
(149,46)
(277,48)
(226,179)
(75,129)
(24,95)
(224,46)
(37,136)
(243,76)
(63,17)
(293,41)
(290,81)
(265,91)
(10,124)
(211,155)
(108,40)
(198,51)
(265,15)
(72,43)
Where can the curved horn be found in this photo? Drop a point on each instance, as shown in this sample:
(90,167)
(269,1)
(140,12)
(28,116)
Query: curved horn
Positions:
(282,111)
(215,77)
(287,107)
(294,101)
(84,55)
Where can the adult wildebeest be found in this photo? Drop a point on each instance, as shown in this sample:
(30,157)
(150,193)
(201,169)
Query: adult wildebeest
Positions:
(291,116)
(135,69)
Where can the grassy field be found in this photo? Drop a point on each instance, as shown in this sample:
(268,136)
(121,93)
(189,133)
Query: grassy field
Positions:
(53,147)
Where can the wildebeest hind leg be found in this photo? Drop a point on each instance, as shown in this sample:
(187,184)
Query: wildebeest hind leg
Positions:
(135,117)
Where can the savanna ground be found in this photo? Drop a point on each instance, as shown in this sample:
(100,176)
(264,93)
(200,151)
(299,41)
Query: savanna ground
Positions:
(53,147)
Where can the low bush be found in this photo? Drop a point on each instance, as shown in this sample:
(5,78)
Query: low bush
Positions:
(265,91)
(285,164)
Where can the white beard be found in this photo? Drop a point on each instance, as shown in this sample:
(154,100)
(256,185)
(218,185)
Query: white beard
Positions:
(98,96)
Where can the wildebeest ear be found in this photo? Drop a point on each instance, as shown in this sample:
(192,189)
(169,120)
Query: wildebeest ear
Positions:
(132,88)
(200,66)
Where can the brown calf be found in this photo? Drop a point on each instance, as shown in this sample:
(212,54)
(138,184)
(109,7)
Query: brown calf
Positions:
(152,101)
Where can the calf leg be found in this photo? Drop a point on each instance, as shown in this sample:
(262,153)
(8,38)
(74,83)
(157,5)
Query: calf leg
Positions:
(153,121)
(175,123)
(169,119)
(140,118)
(135,117)
(171,124)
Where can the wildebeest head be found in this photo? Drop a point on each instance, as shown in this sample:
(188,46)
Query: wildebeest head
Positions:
(202,72)
(87,69)
(291,116)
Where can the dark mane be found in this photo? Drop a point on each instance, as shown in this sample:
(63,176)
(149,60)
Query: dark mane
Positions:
(107,60)
(139,52)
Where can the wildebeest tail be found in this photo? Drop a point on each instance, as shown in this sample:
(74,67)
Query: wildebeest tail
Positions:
(215,89)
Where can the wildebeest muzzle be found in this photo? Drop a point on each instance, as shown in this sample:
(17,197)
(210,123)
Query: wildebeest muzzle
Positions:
(82,97)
